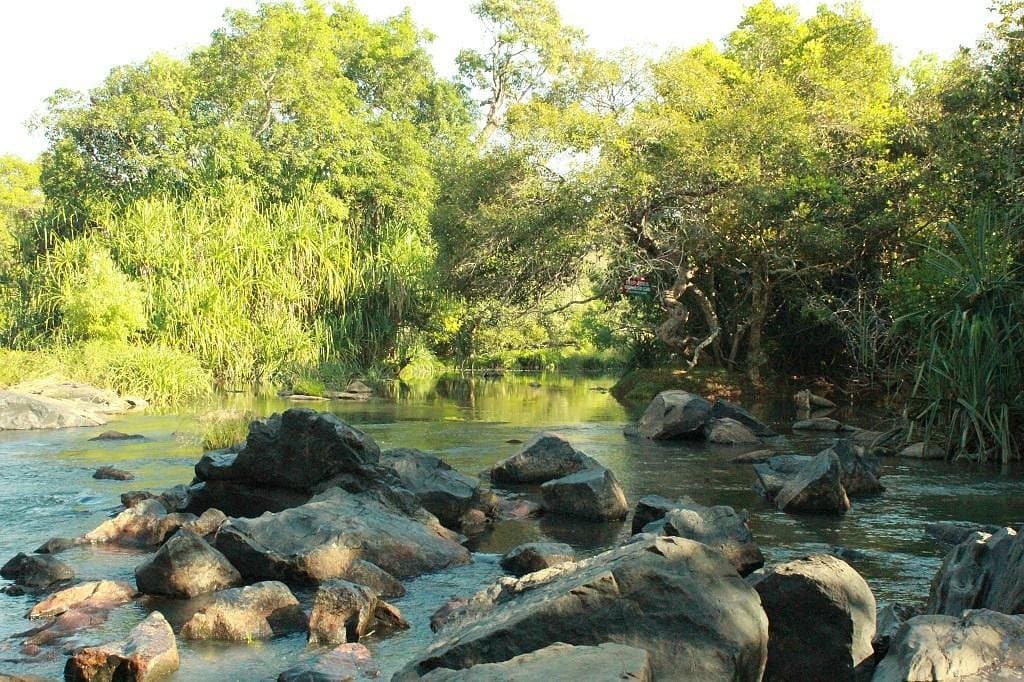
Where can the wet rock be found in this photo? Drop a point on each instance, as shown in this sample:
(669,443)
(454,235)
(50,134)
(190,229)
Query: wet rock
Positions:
(516,508)
(983,572)
(977,645)
(922,451)
(240,614)
(727,431)
(604,663)
(674,414)
(536,556)
(57,545)
(821,619)
(718,527)
(545,457)
(147,524)
(20,412)
(678,599)
(117,435)
(826,424)
(109,473)
(888,621)
(185,567)
(816,489)
(593,494)
(347,612)
(101,595)
(36,570)
(723,409)
(441,490)
(320,540)
(652,508)
(345,663)
(955,532)
(150,652)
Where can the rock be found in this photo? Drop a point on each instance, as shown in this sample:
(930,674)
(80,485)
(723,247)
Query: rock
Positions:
(723,409)
(117,435)
(755,457)
(147,524)
(84,396)
(730,432)
(805,400)
(821,619)
(36,570)
(441,490)
(775,472)
(19,412)
(242,499)
(718,527)
(374,577)
(150,652)
(240,614)
(345,663)
(347,612)
(820,424)
(979,645)
(450,609)
(674,414)
(536,556)
(955,532)
(593,494)
(859,473)
(983,572)
(653,507)
(865,437)
(816,489)
(545,457)
(888,621)
(133,497)
(96,595)
(517,509)
(57,545)
(185,567)
(922,451)
(112,474)
(320,541)
(678,599)
(604,663)
(208,523)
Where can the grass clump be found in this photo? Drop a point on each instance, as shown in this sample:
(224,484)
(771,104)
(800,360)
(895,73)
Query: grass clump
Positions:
(225,428)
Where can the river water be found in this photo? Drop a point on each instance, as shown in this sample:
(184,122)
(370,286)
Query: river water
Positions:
(46,490)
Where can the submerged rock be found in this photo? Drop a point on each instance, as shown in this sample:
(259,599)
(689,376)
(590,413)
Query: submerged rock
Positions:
(817,488)
(545,457)
(240,614)
(593,494)
(186,566)
(345,663)
(679,600)
(719,527)
(36,570)
(727,431)
(603,663)
(150,652)
(96,595)
(347,612)
(955,532)
(113,474)
(821,619)
(536,556)
(117,435)
(674,414)
(820,424)
(983,572)
(20,412)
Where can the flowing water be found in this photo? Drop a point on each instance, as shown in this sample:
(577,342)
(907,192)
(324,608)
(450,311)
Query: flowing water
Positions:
(46,490)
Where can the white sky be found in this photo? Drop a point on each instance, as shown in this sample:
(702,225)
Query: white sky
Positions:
(50,44)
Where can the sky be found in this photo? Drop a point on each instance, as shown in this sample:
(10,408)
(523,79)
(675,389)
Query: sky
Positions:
(51,44)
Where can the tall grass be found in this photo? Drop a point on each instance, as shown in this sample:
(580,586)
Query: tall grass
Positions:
(225,428)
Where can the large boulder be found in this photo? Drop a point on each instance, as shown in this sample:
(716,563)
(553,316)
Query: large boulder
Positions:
(604,663)
(977,645)
(149,653)
(545,457)
(322,540)
(674,414)
(36,570)
(444,492)
(776,471)
(816,489)
(719,527)
(20,411)
(84,396)
(347,612)
(186,566)
(723,409)
(726,431)
(593,494)
(345,663)
(147,524)
(983,572)
(536,556)
(821,619)
(679,600)
(240,614)
(860,472)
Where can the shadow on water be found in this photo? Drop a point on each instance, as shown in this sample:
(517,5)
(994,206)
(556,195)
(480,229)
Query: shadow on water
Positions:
(46,489)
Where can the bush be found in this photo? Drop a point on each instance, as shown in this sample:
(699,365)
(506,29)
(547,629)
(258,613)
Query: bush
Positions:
(225,428)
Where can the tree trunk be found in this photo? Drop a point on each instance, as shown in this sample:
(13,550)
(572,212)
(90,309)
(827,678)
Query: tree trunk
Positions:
(759,296)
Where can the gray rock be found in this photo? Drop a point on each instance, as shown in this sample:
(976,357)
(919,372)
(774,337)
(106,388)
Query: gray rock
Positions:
(955,532)
(826,424)
(976,646)
(149,653)
(345,663)
(347,612)
(147,524)
(593,494)
(719,527)
(36,570)
(57,545)
(651,508)
(444,492)
(723,409)
(109,473)
(536,556)
(604,663)
(679,600)
(544,457)
(725,431)
(322,539)
(186,566)
(860,473)
(775,472)
(20,412)
(83,396)
(816,489)
(240,614)
(983,572)
(821,617)
(117,435)
(922,451)
(674,414)
(888,620)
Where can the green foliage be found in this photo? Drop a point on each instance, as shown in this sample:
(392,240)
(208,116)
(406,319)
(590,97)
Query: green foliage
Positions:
(225,428)
(307,385)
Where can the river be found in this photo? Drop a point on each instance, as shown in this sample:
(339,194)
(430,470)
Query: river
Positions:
(46,490)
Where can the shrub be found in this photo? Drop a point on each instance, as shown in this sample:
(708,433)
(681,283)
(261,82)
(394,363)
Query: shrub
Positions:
(225,428)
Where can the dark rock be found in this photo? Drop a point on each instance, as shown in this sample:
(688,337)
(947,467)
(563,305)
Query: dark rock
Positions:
(345,663)
(240,614)
(755,457)
(111,474)
(718,527)
(955,532)
(674,414)
(347,612)
(888,620)
(983,572)
(977,645)
(593,494)
(443,615)
(545,457)
(242,499)
(117,435)
(186,566)
(604,663)
(133,497)
(826,424)
(653,507)
(678,599)
(36,570)
(805,400)
(150,652)
(817,488)
(860,473)
(723,409)
(536,556)
(98,595)
(727,431)
(57,545)
(775,472)
(821,619)
(441,490)
(147,524)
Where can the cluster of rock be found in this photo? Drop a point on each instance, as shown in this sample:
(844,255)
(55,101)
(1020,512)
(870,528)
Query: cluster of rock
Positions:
(355,391)
(682,415)
(54,404)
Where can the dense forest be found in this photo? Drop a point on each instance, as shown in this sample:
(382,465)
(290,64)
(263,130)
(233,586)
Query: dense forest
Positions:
(305,198)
